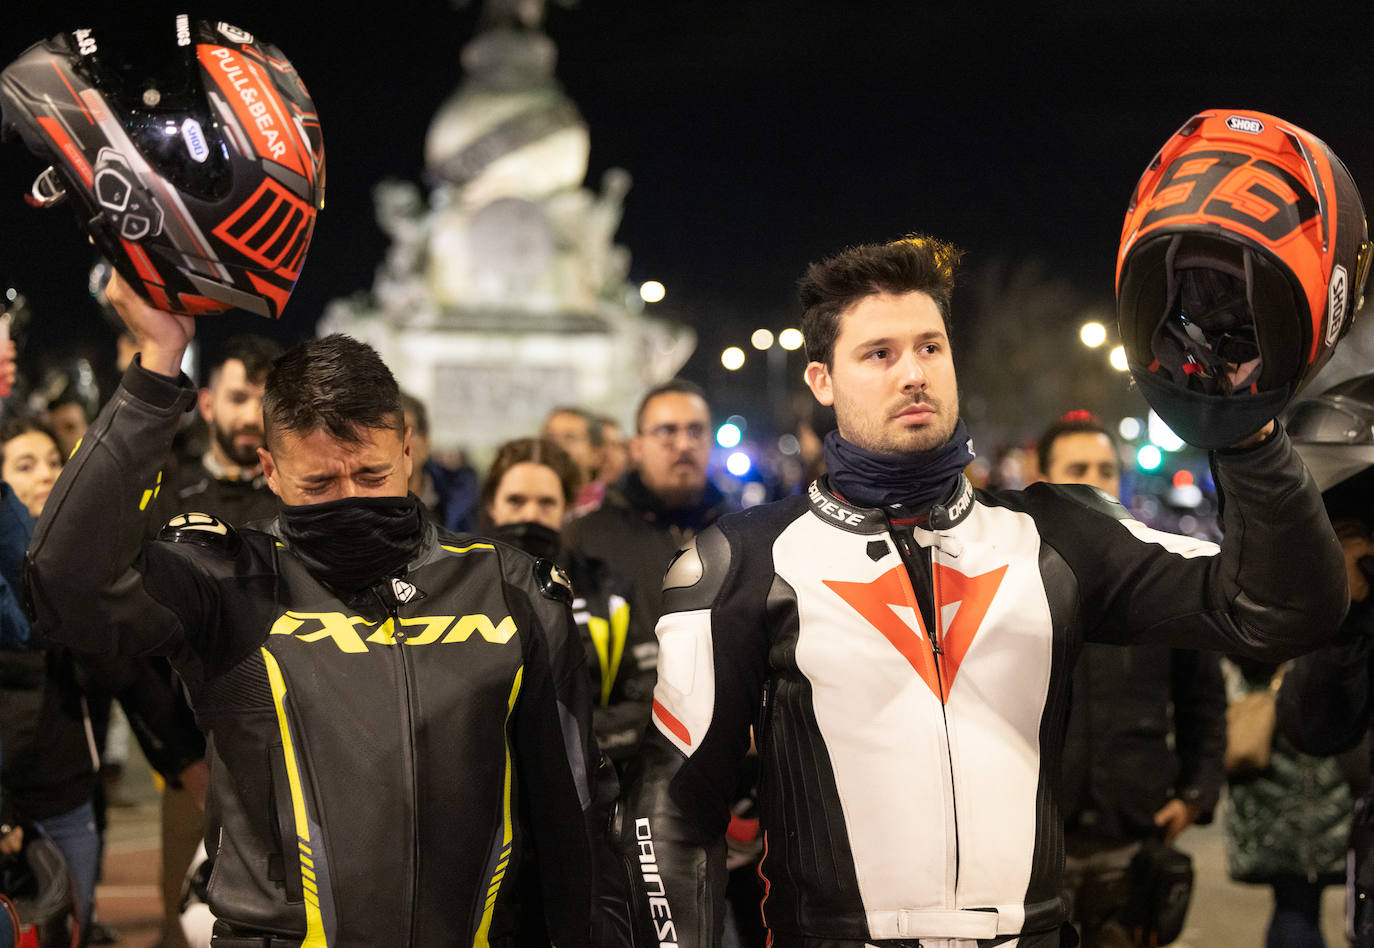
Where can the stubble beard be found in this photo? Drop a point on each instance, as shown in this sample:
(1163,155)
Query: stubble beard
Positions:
(880,437)
(240,454)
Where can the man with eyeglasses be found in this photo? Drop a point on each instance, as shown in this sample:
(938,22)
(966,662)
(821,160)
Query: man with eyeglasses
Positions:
(665,498)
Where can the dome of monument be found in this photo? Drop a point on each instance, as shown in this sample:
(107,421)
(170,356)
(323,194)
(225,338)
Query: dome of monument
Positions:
(508,130)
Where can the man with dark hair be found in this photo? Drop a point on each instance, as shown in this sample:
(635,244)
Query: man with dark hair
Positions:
(226,480)
(899,645)
(1146,731)
(390,711)
(664,499)
(574,430)
(1076,449)
(66,416)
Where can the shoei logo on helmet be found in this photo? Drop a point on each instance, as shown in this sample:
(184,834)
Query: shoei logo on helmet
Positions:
(183,30)
(1243,123)
(194,137)
(233,34)
(1335,305)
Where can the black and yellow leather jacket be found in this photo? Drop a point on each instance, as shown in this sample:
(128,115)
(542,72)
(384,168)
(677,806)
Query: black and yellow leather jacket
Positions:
(376,764)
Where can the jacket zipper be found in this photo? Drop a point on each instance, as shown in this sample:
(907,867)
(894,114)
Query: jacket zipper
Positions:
(398,637)
(933,633)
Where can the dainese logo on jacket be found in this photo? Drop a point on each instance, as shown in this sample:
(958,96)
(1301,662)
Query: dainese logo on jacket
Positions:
(354,633)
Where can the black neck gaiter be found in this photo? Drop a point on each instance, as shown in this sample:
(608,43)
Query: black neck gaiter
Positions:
(350,544)
(534,538)
(911,482)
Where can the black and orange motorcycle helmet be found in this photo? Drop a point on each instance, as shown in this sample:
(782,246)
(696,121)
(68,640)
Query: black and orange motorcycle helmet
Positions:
(1242,263)
(193,157)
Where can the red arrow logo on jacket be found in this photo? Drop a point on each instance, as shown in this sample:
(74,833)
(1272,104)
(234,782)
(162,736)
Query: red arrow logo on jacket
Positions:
(972,594)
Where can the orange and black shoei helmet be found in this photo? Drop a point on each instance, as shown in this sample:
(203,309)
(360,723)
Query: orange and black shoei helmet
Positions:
(194,158)
(1242,262)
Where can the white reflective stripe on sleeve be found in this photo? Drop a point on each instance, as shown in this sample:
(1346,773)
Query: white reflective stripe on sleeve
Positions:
(686,691)
(1186,547)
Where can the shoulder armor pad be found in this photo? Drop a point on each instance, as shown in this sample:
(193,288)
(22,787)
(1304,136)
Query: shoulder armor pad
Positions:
(552,581)
(696,572)
(1097,499)
(202,530)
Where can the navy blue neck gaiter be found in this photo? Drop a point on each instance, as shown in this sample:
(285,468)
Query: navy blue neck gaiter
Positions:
(912,482)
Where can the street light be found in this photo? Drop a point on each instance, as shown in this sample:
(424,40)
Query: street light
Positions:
(761,339)
(1093,334)
(732,358)
(1118,358)
(652,291)
(790,339)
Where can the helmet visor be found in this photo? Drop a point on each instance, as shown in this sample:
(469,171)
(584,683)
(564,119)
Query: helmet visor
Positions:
(158,98)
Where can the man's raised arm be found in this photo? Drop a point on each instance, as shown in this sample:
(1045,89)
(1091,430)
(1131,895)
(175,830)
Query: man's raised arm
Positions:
(84,573)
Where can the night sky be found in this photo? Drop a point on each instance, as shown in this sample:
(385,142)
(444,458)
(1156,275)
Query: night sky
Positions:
(763,135)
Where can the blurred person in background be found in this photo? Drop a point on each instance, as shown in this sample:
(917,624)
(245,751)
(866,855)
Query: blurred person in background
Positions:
(525,496)
(1146,730)
(575,431)
(615,450)
(66,418)
(449,494)
(664,500)
(51,765)
(612,461)
(578,432)
(1287,823)
(1326,701)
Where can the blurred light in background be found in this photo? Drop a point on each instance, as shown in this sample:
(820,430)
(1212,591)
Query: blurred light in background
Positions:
(1162,435)
(790,339)
(761,339)
(1129,429)
(652,291)
(728,435)
(1093,334)
(789,445)
(738,464)
(1118,358)
(1149,457)
(732,358)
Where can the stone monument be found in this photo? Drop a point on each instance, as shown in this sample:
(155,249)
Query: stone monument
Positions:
(503,293)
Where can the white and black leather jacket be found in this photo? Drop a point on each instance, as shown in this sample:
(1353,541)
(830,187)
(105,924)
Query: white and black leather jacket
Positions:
(907,687)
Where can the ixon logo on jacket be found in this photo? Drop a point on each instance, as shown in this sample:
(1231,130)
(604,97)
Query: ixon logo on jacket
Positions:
(347,632)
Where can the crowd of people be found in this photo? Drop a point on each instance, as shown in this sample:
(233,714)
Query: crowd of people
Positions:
(581,699)
(1132,733)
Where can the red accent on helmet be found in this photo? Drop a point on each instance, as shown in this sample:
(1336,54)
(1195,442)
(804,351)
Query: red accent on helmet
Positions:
(1252,213)
(201,184)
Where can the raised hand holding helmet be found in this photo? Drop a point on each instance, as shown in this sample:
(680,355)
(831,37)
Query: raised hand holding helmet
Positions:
(194,158)
(1242,263)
